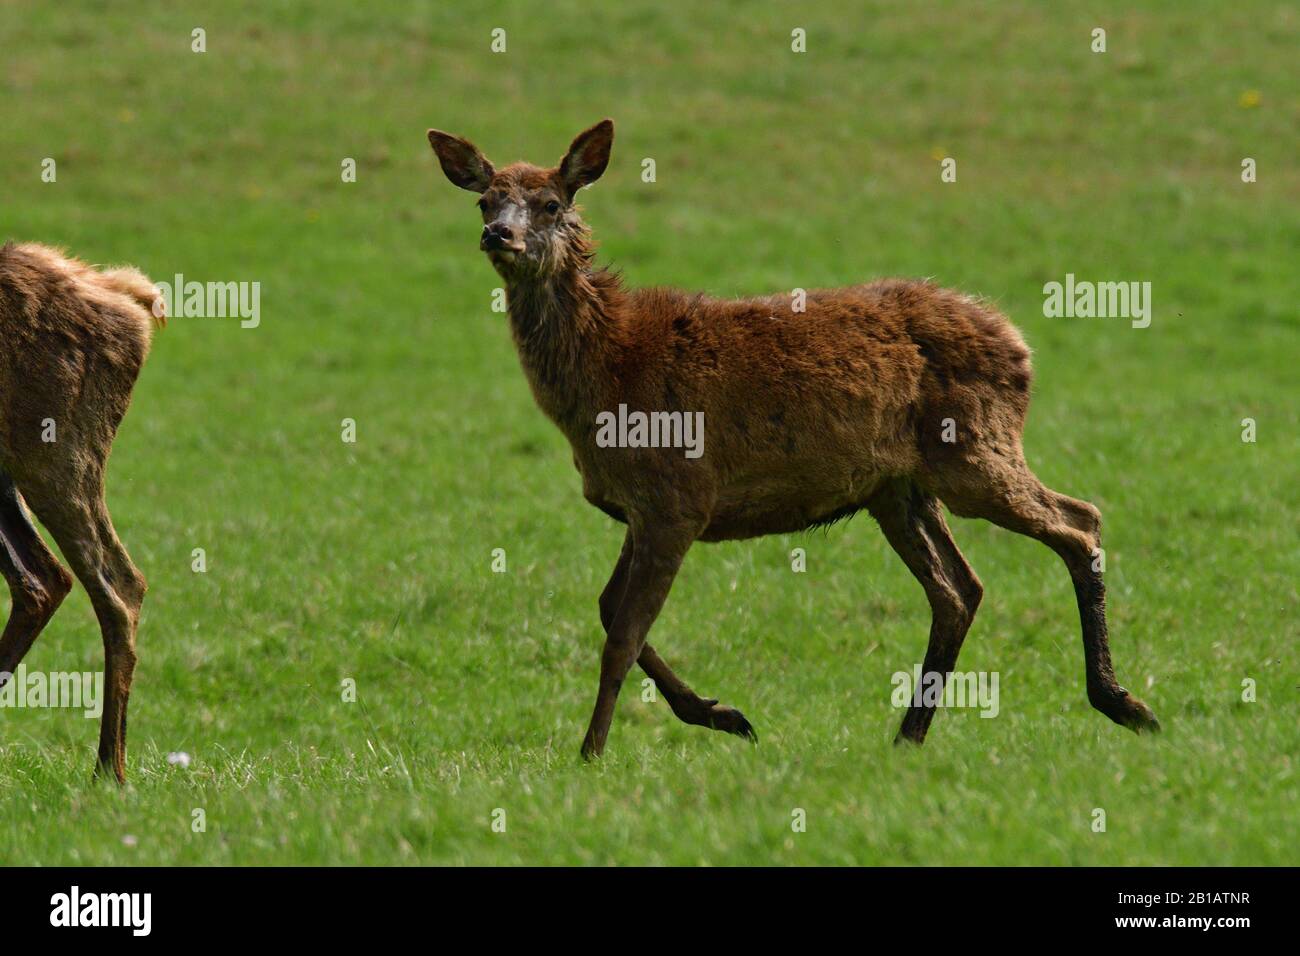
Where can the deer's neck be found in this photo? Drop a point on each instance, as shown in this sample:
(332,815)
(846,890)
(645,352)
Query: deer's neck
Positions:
(567,328)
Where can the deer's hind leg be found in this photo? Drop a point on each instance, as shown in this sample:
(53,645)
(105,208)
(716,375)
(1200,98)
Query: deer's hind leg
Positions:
(69,501)
(912,521)
(1004,491)
(37,582)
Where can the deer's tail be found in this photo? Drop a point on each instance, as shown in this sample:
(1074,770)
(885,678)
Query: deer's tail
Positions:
(133,283)
(56,281)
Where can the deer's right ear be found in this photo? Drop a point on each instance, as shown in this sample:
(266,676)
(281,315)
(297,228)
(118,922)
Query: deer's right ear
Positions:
(461,161)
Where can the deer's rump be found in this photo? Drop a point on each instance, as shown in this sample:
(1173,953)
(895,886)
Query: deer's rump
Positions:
(72,342)
(807,413)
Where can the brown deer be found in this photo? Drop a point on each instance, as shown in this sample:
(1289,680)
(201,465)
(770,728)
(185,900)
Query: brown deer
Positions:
(813,411)
(74,340)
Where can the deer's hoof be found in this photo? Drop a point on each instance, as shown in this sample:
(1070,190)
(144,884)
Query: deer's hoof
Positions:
(108,773)
(732,721)
(1126,710)
(1141,719)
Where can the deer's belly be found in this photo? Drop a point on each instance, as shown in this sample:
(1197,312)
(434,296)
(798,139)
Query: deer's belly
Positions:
(788,504)
(793,495)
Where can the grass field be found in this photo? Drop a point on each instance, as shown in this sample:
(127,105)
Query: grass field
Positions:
(371,561)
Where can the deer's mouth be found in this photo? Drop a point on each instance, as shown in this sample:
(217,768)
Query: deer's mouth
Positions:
(505,260)
(494,245)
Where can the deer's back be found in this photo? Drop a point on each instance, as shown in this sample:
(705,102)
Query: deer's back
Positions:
(807,412)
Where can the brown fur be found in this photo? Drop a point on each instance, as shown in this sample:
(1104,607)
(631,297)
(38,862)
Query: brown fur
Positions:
(809,417)
(72,342)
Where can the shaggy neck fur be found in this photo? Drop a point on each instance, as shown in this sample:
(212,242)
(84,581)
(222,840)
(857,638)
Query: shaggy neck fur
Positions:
(566,326)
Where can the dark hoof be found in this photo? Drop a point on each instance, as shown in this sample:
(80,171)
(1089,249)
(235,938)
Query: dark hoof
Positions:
(107,773)
(731,721)
(1141,719)
(1127,711)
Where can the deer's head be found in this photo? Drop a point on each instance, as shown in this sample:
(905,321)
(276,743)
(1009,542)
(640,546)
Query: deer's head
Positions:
(530,225)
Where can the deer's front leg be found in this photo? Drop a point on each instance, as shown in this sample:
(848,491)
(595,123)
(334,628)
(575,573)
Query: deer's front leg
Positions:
(687,705)
(657,553)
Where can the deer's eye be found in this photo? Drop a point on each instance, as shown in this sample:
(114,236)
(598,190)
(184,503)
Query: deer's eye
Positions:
(552,207)
(482,203)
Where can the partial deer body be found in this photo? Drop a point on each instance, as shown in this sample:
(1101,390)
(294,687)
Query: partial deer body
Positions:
(72,342)
(890,397)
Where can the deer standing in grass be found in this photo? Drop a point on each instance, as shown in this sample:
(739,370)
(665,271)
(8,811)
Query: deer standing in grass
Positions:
(72,342)
(809,417)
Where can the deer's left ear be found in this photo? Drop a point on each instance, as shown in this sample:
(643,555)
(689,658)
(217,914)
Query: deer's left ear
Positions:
(461,161)
(587,157)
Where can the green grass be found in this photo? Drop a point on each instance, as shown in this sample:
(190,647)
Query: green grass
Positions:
(371,561)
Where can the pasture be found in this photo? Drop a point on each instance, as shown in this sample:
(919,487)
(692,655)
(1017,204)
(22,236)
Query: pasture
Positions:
(370,561)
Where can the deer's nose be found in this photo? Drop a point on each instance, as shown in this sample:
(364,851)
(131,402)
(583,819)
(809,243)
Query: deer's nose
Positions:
(497,235)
